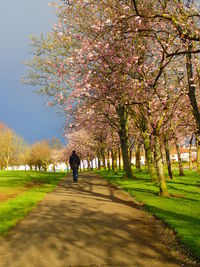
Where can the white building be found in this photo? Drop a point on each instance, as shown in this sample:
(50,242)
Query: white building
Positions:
(184,155)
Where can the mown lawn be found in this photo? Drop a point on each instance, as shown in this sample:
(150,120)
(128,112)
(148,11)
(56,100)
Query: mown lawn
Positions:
(181,211)
(20,192)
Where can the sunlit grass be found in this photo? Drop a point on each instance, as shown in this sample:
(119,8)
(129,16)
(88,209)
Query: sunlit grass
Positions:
(20,192)
(181,211)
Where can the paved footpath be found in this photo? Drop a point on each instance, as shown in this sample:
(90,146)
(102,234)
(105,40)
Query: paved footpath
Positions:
(89,223)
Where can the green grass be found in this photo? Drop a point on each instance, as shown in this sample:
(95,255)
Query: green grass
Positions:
(20,192)
(181,211)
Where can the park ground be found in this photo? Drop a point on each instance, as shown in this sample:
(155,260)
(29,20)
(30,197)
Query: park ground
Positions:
(91,223)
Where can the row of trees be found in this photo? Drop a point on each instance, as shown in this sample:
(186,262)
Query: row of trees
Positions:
(43,153)
(11,147)
(14,151)
(127,74)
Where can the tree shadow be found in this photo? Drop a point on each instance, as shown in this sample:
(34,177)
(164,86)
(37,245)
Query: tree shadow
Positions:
(177,182)
(149,191)
(185,191)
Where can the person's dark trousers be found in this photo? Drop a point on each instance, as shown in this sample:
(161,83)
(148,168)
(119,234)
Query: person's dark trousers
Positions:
(75,175)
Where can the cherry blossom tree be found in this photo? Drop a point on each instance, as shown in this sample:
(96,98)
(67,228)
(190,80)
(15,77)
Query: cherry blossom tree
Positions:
(123,69)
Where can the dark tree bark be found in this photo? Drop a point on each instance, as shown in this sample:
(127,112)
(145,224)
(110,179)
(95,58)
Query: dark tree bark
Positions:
(123,135)
(119,156)
(99,162)
(193,100)
(114,160)
(88,164)
(168,160)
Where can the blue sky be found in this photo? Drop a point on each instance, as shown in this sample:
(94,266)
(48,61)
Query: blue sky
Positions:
(20,108)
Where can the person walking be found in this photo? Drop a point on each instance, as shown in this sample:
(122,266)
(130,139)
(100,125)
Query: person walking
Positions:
(74,162)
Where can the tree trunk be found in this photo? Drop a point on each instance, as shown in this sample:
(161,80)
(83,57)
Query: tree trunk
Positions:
(7,163)
(192,88)
(168,160)
(103,158)
(88,164)
(108,159)
(162,156)
(114,160)
(179,158)
(91,164)
(123,135)
(126,161)
(193,100)
(149,157)
(160,170)
(198,151)
(99,163)
(190,154)
(190,158)
(137,156)
(145,160)
(119,155)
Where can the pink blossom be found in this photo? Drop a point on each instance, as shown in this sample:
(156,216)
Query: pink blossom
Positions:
(50,104)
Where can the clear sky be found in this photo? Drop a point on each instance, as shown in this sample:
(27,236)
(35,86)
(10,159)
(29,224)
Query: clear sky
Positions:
(20,108)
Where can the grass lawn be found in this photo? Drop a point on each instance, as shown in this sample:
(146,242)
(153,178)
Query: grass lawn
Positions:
(20,192)
(181,211)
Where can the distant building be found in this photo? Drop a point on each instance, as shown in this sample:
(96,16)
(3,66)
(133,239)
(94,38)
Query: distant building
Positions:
(184,155)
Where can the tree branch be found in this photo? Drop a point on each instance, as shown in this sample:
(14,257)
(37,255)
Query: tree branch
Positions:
(183,53)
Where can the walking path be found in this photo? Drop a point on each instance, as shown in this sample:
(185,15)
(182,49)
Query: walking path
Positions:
(89,223)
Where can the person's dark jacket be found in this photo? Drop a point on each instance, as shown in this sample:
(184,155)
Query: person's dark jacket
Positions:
(74,161)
